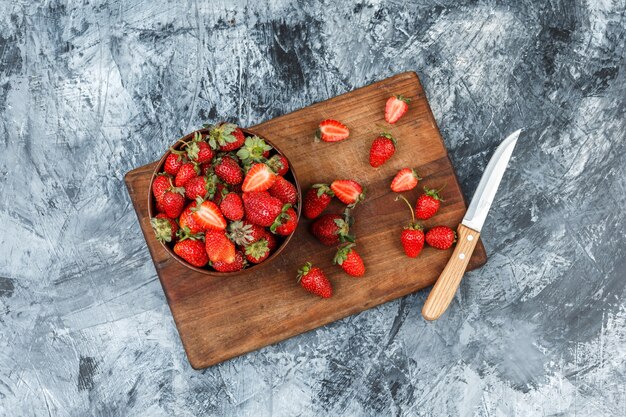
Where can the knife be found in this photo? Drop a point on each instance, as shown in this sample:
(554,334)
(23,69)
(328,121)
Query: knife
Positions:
(469,230)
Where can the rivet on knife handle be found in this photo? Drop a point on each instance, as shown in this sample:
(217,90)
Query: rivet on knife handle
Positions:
(443,292)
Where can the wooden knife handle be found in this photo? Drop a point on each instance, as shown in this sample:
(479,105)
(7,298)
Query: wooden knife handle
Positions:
(442,293)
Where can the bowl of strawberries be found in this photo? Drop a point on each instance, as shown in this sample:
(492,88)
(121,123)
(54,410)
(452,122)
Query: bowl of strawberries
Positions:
(224,200)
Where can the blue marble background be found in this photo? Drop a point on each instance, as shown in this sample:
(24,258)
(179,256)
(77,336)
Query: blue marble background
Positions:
(91,89)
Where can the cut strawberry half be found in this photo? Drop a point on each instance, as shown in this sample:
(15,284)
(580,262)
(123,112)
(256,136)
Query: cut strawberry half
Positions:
(259,178)
(208,216)
(348,191)
(332,131)
(395,108)
(406,179)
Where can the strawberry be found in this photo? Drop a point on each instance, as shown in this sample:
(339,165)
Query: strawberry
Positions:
(232,206)
(226,137)
(173,202)
(164,228)
(208,215)
(332,131)
(220,191)
(395,108)
(228,170)
(406,179)
(198,150)
(192,251)
(173,162)
(237,264)
(330,229)
(383,148)
(185,173)
(203,187)
(349,260)
(284,191)
(286,222)
(279,164)
(258,251)
(206,168)
(412,237)
(348,191)
(244,233)
(259,178)
(272,243)
(427,204)
(261,208)
(316,200)
(253,149)
(314,281)
(218,246)
(161,183)
(187,222)
(440,237)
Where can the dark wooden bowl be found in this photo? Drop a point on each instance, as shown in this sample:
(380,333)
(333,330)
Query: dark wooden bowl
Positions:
(291,175)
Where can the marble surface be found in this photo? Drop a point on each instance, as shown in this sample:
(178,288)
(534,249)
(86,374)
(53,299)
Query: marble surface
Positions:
(92,89)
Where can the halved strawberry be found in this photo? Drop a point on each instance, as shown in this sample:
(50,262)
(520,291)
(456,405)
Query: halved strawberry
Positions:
(406,179)
(395,108)
(348,191)
(259,178)
(208,216)
(332,131)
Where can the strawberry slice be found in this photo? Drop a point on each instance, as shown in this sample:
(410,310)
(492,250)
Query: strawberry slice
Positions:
(332,131)
(208,216)
(348,191)
(395,108)
(219,247)
(259,178)
(405,180)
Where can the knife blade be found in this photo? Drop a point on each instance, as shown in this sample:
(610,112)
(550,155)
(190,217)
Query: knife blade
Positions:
(469,230)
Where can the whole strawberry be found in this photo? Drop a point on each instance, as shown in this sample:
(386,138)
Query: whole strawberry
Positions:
(383,148)
(173,202)
(228,170)
(286,222)
(226,137)
(348,192)
(192,251)
(284,191)
(261,208)
(198,150)
(427,204)
(218,247)
(316,200)
(253,150)
(201,186)
(244,233)
(173,162)
(161,183)
(412,237)
(440,237)
(330,229)
(406,179)
(238,263)
(395,108)
(186,172)
(349,260)
(232,206)
(314,281)
(258,251)
(272,243)
(279,164)
(164,228)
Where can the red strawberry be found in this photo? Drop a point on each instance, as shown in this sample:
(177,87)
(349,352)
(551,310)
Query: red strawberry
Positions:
(261,208)
(161,183)
(192,251)
(405,180)
(349,260)
(173,162)
(218,246)
(232,206)
(228,170)
(440,237)
(284,191)
(226,137)
(383,148)
(173,202)
(279,164)
(259,178)
(348,191)
(314,281)
(258,251)
(330,229)
(203,187)
(395,108)
(332,131)
(427,204)
(237,264)
(220,191)
(412,237)
(272,243)
(208,216)
(164,228)
(316,200)
(286,222)
(244,233)
(198,150)
(206,168)
(253,149)
(185,173)
(186,220)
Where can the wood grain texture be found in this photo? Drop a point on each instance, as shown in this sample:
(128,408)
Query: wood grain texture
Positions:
(443,292)
(219,318)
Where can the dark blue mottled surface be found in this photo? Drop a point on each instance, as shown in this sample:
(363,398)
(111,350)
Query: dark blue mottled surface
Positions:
(92,89)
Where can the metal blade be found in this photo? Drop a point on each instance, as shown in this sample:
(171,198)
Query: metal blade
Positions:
(488,185)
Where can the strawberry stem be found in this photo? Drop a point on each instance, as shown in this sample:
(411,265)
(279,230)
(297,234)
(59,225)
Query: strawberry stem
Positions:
(410,207)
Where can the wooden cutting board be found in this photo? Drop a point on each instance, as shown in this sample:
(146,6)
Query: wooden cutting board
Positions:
(219,318)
